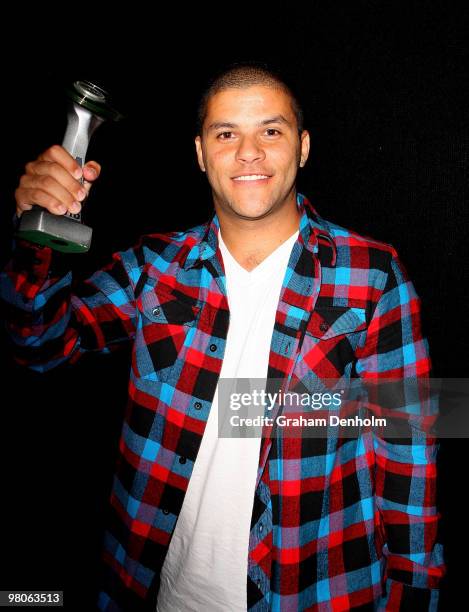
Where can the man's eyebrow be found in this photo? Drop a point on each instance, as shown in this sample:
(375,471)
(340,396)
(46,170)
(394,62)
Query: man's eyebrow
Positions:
(225,124)
(221,124)
(276,119)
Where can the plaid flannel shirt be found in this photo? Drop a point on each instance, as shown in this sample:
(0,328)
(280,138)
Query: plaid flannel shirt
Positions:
(337,524)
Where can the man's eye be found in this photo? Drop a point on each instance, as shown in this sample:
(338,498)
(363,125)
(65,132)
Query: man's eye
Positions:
(270,132)
(224,135)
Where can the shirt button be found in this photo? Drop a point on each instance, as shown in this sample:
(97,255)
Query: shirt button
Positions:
(197,405)
(259,583)
(165,511)
(323,326)
(182,460)
(213,347)
(261,527)
(156,311)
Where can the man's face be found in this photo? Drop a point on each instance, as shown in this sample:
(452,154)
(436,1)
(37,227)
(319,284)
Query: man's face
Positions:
(250,149)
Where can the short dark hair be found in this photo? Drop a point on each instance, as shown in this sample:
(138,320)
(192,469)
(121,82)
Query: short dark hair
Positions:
(245,74)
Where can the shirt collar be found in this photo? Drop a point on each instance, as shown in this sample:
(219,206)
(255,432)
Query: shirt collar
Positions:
(313,230)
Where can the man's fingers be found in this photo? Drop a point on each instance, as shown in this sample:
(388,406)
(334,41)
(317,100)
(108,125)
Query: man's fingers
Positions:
(47,185)
(20,207)
(51,175)
(56,182)
(61,156)
(25,198)
(91,171)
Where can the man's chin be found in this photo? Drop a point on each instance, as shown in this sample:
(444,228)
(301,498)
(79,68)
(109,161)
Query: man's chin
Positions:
(251,209)
(251,213)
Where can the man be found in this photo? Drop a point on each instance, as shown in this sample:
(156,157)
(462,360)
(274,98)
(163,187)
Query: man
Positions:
(266,288)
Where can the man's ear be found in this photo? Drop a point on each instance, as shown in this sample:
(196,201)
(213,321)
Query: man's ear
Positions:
(200,157)
(305,142)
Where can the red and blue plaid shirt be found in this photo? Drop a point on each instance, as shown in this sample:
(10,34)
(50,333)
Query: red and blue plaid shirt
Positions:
(336,523)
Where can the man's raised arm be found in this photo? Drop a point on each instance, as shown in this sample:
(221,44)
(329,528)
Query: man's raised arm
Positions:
(48,322)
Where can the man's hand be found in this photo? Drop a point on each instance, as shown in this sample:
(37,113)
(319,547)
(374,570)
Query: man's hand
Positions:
(53,182)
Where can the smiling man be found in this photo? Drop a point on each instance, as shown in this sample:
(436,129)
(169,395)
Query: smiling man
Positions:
(251,146)
(265,289)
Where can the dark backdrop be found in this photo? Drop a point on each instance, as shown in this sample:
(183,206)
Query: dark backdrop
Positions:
(385,89)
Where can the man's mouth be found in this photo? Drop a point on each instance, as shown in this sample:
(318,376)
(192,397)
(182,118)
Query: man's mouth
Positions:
(251,177)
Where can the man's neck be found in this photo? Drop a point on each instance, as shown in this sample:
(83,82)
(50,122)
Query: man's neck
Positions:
(250,242)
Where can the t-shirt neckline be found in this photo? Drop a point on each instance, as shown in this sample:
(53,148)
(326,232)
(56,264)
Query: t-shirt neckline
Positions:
(266,268)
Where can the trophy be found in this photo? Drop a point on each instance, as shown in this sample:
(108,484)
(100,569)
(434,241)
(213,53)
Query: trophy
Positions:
(89,107)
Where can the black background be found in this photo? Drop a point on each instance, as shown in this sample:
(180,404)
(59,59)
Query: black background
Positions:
(385,90)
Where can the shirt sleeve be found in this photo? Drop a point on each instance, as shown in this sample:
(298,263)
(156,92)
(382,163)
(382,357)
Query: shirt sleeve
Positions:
(49,322)
(405,466)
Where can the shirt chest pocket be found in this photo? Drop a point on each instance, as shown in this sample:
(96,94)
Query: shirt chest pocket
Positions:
(331,338)
(166,320)
(329,322)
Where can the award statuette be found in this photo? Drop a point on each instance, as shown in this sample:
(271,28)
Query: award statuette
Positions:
(89,107)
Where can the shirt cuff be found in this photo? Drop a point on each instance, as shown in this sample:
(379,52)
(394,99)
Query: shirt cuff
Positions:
(401,596)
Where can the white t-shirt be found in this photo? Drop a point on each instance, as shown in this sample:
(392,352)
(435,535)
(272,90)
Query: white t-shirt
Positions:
(205,569)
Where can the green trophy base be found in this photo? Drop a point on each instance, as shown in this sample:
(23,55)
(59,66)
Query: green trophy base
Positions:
(55,231)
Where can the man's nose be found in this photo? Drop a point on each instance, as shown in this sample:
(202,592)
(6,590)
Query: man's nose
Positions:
(249,150)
